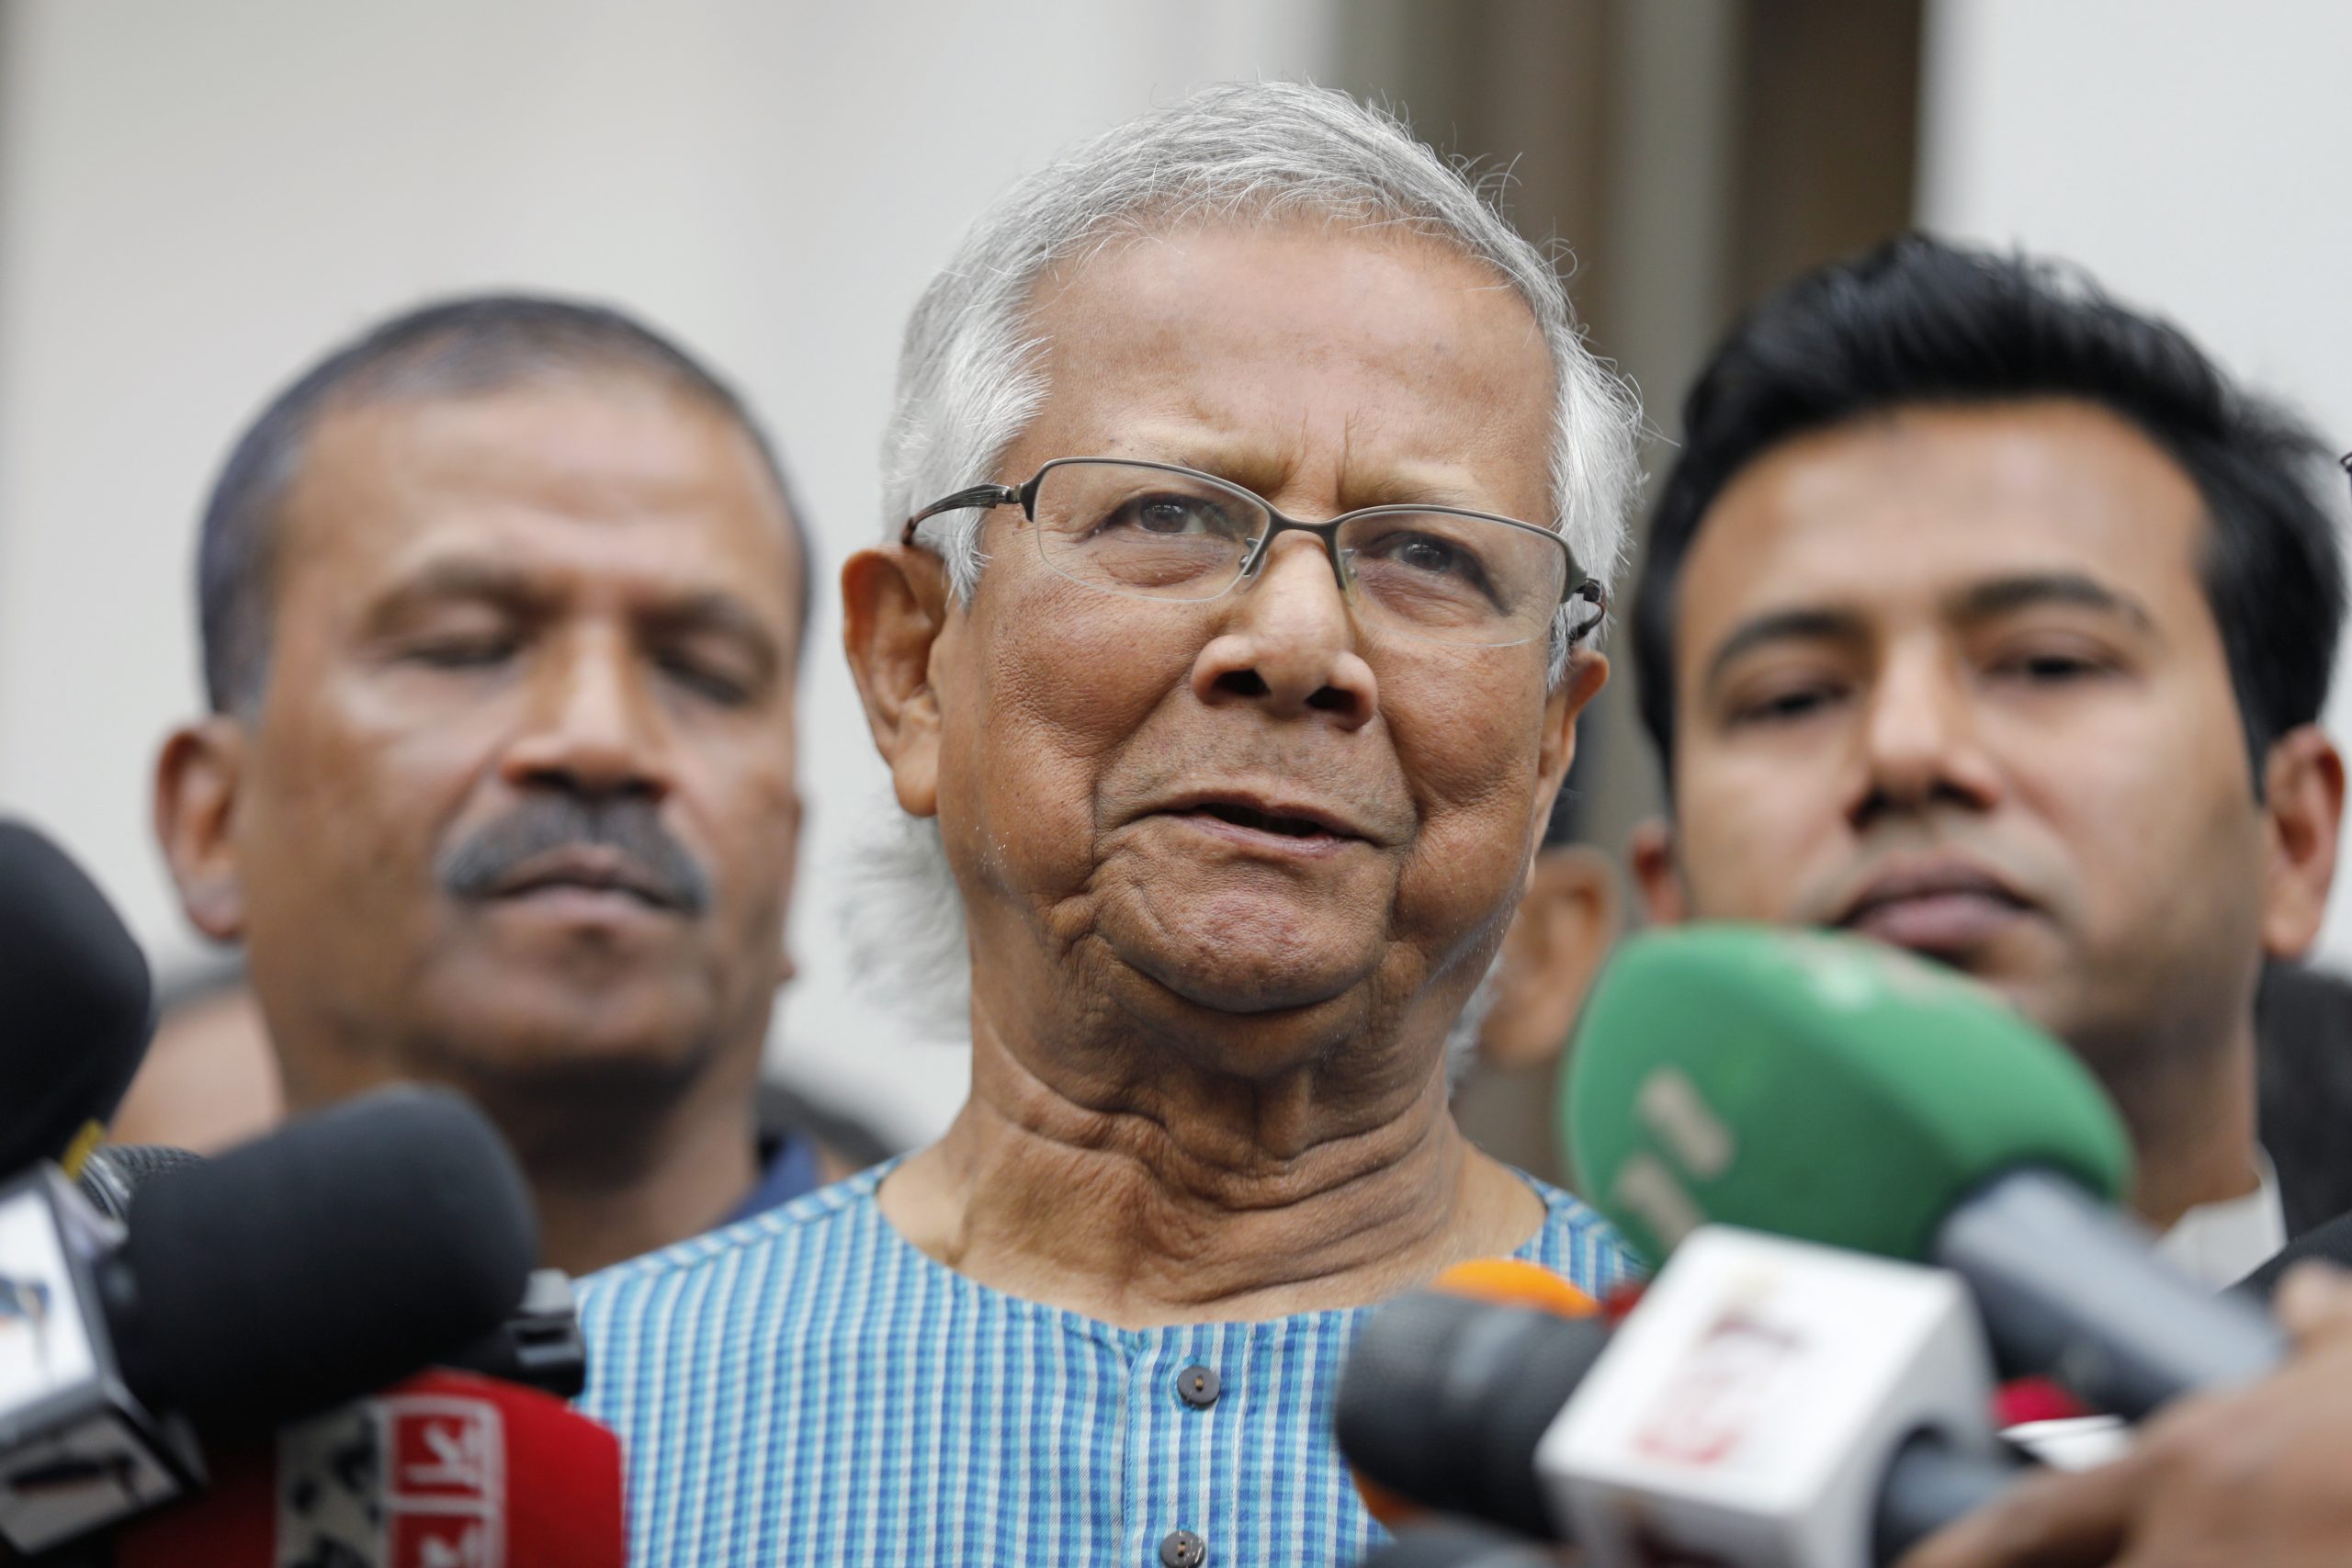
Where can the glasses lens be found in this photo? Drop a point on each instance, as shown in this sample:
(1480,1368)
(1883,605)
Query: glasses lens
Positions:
(1473,580)
(1136,529)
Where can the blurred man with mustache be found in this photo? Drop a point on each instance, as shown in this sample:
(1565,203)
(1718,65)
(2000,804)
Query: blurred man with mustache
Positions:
(501,607)
(1986,617)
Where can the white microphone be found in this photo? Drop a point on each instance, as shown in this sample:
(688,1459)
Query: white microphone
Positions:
(1756,1405)
(1771,1402)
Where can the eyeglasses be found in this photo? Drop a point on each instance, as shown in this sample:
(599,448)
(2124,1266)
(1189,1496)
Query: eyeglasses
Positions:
(1157,531)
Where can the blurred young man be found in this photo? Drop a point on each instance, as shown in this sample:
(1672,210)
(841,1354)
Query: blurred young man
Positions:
(502,605)
(1985,618)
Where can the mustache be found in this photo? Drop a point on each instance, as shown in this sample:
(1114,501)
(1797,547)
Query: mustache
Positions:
(479,864)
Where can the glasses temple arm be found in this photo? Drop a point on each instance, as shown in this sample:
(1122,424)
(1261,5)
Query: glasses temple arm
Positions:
(962,500)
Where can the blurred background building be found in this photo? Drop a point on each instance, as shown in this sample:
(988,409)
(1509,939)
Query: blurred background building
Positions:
(195,200)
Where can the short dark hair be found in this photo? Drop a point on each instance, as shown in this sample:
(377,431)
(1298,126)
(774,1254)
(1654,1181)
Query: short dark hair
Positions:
(1920,321)
(458,347)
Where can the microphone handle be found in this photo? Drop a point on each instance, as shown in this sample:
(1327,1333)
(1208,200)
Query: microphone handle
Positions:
(1929,1485)
(2069,1291)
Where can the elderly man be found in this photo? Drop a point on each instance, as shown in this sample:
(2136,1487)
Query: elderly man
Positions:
(502,604)
(1985,618)
(1246,481)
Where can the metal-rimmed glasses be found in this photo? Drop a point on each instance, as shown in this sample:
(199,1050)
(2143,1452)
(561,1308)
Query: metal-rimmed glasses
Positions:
(1159,531)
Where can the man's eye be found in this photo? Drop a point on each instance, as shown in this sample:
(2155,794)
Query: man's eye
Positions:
(2051,667)
(721,686)
(481,652)
(1786,705)
(1169,514)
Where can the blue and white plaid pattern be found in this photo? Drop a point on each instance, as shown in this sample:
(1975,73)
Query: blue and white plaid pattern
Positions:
(808,1388)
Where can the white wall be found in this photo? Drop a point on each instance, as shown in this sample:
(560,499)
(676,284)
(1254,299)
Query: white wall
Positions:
(2196,156)
(195,199)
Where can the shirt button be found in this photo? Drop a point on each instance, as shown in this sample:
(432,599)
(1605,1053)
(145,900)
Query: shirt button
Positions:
(1198,1386)
(1182,1548)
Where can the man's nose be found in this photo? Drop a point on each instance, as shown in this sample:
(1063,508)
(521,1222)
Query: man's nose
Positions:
(1290,644)
(593,727)
(1920,742)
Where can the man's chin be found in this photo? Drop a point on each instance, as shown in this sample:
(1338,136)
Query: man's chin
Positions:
(543,1022)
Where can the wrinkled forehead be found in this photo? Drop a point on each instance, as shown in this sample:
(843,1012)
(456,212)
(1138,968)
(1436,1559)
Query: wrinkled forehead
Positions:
(1277,347)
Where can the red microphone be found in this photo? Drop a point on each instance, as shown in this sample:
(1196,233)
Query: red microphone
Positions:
(448,1469)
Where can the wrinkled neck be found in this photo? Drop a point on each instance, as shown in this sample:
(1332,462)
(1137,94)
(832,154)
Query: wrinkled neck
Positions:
(1166,1193)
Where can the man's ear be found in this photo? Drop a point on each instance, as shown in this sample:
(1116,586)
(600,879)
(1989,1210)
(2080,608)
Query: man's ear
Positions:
(1650,852)
(1563,929)
(197,777)
(1587,673)
(2304,803)
(894,612)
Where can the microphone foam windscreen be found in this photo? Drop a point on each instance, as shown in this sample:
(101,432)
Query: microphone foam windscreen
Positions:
(1442,1400)
(1499,1281)
(74,1001)
(344,1251)
(1814,1086)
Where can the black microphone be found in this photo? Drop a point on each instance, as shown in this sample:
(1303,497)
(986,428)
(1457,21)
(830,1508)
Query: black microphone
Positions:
(336,1254)
(112,1174)
(75,1002)
(334,1257)
(539,1346)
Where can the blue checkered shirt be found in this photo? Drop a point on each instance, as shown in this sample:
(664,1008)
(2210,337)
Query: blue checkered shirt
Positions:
(807,1387)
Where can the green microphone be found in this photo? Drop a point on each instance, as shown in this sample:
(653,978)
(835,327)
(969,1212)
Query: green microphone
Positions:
(1837,1090)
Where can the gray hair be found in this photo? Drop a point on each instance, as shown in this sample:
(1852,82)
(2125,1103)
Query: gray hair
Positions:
(970,377)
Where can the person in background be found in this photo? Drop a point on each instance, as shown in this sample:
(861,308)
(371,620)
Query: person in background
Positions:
(1986,617)
(1560,937)
(501,607)
(1247,486)
(2303,1027)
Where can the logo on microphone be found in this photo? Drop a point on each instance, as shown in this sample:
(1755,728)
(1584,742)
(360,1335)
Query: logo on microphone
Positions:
(401,1481)
(1731,1382)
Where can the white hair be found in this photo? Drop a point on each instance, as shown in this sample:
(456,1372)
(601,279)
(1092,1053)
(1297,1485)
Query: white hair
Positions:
(970,379)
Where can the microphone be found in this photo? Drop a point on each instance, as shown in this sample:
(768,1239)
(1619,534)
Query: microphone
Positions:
(1769,1402)
(1833,1089)
(112,1174)
(1456,1484)
(76,1003)
(539,1345)
(343,1251)
(448,1470)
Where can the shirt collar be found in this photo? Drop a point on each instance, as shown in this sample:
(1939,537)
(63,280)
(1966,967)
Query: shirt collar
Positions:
(2222,1243)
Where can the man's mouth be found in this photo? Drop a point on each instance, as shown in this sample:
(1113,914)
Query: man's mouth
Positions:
(1946,908)
(587,869)
(1267,822)
(1295,825)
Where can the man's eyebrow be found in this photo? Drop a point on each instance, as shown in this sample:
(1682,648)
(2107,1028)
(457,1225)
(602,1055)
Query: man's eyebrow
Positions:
(2008,595)
(461,579)
(712,610)
(1806,625)
(1258,467)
